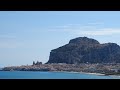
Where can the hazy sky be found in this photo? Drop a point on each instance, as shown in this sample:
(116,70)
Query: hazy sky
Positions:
(29,36)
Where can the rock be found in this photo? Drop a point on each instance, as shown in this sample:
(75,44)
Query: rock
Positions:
(83,40)
(85,50)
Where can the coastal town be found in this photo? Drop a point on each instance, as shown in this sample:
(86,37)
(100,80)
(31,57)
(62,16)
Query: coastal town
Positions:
(104,68)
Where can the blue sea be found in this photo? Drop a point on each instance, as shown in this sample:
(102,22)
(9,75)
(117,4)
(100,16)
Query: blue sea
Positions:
(50,75)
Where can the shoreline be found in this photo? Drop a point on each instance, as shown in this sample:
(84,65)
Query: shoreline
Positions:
(97,74)
(82,73)
(65,72)
(93,69)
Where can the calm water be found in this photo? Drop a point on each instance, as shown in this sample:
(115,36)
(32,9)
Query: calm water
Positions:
(50,75)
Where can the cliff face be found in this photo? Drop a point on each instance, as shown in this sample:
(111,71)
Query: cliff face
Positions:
(85,50)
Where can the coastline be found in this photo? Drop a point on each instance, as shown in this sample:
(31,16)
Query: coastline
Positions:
(93,69)
(97,74)
(63,72)
(82,73)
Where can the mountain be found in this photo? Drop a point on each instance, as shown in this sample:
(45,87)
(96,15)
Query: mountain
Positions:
(85,50)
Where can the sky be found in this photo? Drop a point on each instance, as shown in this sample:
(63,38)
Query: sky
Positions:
(27,36)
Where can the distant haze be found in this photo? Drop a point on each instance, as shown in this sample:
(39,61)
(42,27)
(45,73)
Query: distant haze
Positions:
(27,36)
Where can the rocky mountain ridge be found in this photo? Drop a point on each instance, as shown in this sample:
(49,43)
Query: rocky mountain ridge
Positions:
(85,50)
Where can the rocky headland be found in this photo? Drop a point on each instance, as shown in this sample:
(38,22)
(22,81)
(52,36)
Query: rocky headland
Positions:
(81,54)
(85,50)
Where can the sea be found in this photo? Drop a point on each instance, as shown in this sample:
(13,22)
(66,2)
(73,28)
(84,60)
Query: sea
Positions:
(51,75)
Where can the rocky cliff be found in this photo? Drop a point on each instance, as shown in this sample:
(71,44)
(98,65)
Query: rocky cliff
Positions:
(85,50)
